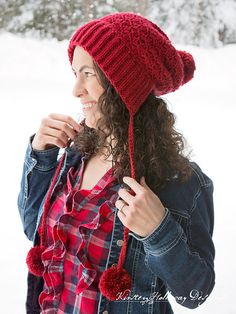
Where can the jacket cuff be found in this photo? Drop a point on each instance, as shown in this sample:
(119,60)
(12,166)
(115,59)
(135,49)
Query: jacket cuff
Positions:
(44,159)
(164,237)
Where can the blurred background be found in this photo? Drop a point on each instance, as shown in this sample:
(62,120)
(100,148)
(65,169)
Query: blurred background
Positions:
(204,23)
(36,79)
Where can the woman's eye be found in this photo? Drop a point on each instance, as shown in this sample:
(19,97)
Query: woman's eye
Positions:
(88,74)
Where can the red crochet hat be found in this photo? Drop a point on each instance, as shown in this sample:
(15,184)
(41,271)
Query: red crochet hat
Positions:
(138,58)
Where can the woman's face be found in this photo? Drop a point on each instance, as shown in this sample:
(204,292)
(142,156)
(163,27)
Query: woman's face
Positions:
(86,87)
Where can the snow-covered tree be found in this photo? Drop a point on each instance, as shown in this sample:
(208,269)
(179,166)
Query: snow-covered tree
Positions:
(205,23)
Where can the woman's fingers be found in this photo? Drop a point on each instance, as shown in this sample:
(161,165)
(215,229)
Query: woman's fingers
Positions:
(47,141)
(66,119)
(55,130)
(61,135)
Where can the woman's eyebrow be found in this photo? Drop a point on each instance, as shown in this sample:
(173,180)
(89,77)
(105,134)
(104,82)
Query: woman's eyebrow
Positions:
(82,68)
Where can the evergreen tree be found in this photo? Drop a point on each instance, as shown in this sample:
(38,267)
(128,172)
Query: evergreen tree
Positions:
(205,23)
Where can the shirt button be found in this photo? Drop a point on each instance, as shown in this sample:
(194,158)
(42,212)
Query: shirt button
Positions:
(119,242)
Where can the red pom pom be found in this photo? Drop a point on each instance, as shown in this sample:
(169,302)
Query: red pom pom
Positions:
(115,283)
(189,65)
(34,260)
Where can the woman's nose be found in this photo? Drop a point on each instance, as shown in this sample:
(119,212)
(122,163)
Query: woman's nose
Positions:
(79,88)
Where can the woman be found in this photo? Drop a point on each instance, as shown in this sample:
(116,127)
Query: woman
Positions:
(123,216)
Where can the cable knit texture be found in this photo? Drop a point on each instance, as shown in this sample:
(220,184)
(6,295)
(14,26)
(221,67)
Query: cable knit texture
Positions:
(136,56)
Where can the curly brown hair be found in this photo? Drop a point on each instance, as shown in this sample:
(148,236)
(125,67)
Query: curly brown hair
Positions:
(158,149)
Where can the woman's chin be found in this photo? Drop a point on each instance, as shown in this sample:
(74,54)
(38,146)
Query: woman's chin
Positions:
(89,124)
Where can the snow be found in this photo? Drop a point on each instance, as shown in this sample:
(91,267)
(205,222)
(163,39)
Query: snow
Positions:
(209,23)
(36,79)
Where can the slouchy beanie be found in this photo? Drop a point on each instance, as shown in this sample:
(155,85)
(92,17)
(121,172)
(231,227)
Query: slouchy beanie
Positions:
(137,58)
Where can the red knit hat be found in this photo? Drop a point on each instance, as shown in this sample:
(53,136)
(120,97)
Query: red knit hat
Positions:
(138,58)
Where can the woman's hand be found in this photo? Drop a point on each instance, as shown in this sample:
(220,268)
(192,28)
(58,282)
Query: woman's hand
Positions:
(55,130)
(142,212)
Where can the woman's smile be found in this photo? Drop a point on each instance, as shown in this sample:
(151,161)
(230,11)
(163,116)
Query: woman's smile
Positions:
(87,107)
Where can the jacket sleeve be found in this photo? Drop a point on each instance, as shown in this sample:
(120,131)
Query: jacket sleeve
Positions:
(185,260)
(38,170)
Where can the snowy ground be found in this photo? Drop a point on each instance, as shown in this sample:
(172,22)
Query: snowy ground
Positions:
(35,79)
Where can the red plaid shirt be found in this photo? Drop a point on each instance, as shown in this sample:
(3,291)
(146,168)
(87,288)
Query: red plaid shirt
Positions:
(79,228)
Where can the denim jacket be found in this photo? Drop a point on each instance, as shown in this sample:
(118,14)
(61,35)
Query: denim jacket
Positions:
(177,258)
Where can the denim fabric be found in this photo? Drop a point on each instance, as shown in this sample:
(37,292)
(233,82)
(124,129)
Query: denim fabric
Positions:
(177,258)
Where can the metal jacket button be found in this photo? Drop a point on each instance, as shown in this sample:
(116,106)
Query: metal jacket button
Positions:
(120,242)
